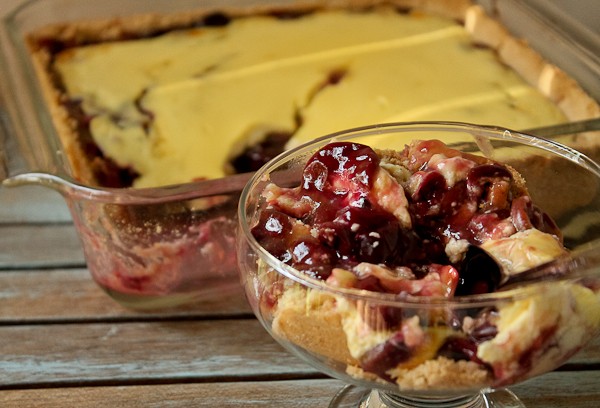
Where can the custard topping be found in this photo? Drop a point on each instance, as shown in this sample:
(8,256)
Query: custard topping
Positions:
(180,106)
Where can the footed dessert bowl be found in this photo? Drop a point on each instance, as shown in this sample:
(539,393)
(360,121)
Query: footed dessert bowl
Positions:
(425,264)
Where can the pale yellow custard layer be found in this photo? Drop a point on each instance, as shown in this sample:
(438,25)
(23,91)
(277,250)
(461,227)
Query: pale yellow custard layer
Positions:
(179,106)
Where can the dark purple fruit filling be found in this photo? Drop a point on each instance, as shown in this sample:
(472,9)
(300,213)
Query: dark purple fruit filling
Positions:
(460,348)
(338,223)
(107,172)
(256,156)
(386,355)
(472,281)
(336,218)
(347,224)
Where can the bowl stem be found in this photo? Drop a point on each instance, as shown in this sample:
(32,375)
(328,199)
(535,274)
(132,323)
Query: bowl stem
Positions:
(356,397)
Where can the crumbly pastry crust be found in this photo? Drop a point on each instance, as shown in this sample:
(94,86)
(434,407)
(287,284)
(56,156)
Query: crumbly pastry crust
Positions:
(319,329)
(315,325)
(439,374)
(561,89)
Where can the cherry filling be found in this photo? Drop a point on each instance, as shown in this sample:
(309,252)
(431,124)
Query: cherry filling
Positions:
(335,221)
(255,156)
(386,355)
(347,225)
(450,196)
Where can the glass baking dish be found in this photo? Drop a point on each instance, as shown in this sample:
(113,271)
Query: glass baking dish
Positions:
(165,246)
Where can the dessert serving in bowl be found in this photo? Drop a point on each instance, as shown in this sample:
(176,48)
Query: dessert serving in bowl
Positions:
(426,263)
(143,114)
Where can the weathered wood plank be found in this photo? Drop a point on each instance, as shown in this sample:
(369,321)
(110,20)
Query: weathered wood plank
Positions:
(281,394)
(32,204)
(589,355)
(39,245)
(133,352)
(97,353)
(557,390)
(561,389)
(49,295)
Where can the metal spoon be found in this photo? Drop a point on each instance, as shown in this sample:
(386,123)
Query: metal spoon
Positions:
(480,273)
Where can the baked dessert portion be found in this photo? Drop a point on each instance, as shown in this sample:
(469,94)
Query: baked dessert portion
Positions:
(169,99)
(422,226)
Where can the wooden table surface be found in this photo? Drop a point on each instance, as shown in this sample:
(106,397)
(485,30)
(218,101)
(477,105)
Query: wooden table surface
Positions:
(65,343)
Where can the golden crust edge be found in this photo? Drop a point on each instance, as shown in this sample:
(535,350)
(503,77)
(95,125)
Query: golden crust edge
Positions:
(551,81)
(64,124)
(319,331)
(106,29)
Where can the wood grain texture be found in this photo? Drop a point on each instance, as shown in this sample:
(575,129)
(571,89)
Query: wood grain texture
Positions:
(561,389)
(32,204)
(131,353)
(39,245)
(65,343)
(281,394)
(49,296)
(556,390)
(46,355)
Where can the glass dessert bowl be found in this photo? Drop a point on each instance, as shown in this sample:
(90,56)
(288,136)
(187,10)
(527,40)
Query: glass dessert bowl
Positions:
(153,248)
(400,264)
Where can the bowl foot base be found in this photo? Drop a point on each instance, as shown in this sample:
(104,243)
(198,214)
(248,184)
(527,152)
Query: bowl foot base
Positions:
(355,397)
